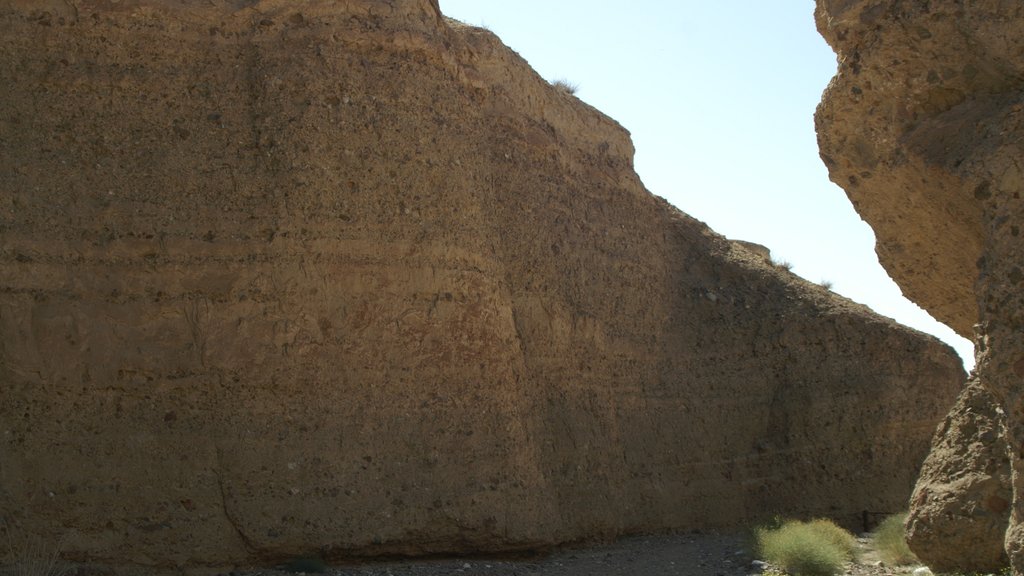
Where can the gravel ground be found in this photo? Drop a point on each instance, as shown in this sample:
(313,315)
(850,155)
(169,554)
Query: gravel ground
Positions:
(666,555)
(675,555)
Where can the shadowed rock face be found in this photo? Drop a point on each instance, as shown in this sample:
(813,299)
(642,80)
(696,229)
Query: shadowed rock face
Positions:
(347,278)
(922,126)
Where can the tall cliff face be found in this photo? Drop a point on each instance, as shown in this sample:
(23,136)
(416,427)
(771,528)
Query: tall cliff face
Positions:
(350,278)
(922,126)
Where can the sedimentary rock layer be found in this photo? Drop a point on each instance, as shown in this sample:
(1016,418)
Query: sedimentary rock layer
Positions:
(922,126)
(347,278)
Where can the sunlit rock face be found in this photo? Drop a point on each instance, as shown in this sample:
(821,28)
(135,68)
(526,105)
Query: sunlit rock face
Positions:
(922,127)
(961,504)
(349,278)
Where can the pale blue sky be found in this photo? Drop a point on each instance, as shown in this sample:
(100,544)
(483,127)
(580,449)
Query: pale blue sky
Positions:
(719,98)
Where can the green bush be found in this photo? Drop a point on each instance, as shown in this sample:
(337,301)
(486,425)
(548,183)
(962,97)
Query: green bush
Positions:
(841,538)
(891,541)
(818,548)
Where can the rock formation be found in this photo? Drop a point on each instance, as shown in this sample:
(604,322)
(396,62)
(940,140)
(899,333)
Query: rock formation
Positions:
(921,126)
(348,278)
(963,494)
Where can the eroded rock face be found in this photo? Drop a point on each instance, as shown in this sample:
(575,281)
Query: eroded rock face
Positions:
(923,128)
(961,504)
(347,278)
(918,100)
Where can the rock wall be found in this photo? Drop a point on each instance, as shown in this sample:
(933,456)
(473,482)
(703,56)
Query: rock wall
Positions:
(922,127)
(348,278)
(961,504)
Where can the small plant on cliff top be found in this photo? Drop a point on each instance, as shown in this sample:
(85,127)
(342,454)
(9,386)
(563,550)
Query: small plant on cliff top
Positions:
(565,86)
(818,548)
(784,264)
(891,541)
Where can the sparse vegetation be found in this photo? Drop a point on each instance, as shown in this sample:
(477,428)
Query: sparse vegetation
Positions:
(891,541)
(565,86)
(841,538)
(817,548)
(33,556)
(784,264)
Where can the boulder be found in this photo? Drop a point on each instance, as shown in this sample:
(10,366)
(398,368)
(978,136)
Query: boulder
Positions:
(347,278)
(961,504)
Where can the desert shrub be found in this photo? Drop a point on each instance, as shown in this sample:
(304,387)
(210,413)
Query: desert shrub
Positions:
(565,86)
(891,541)
(840,537)
(816,548)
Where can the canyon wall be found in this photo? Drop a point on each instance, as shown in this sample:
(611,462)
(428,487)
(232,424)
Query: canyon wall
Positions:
(350,279)
(922,127)
(961,503)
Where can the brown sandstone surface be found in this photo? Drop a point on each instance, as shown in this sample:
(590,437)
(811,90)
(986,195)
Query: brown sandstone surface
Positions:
(348,278)
(922,127)
(964,491)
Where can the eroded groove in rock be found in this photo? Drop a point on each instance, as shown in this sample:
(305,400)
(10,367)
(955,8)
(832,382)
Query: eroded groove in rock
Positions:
(349,278)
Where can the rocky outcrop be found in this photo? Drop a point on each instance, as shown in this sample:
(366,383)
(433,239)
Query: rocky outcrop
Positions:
(961,504)
(922,127)
(347,278)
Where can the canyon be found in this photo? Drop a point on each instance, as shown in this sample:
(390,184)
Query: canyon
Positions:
(350,279)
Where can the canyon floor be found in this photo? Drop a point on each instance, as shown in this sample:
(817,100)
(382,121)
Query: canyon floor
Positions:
(690,554)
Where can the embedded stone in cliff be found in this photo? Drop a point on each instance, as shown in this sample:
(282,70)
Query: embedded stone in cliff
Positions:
(961,505)
(347,278)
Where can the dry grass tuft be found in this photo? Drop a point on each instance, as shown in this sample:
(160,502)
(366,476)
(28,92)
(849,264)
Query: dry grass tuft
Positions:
(565,86)
(33,556)
(784,264)
(891,541)
(817,548)
(843,539)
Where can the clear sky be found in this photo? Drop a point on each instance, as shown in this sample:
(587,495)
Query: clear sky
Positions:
(719,98)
